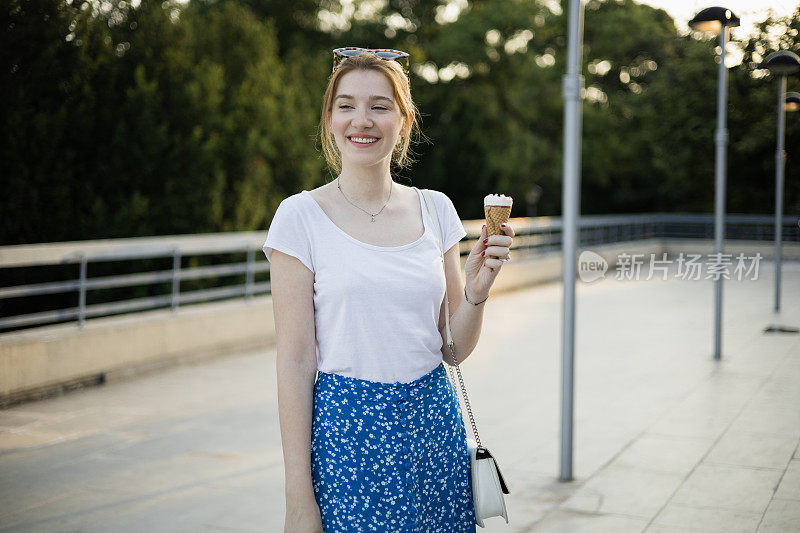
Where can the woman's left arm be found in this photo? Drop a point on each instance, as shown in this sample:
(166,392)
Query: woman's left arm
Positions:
(481,269)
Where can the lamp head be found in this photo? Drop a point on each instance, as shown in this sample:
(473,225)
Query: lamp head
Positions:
(713,19)
(792,102)
(782,63)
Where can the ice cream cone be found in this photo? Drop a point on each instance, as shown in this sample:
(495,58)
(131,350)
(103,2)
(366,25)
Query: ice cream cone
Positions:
(497,208)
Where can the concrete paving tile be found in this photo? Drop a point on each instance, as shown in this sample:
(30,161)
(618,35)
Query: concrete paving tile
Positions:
(28,483)
(789,488)
(723,390)
(177,473)
(789,367)
(597,449)
(521,516)
(771,343)
(688,424)
(707,410)
(625,491)
(528,461)
(707,519)
(758,450)
(758,361)
(173,511)
(781,386)
(791,364)
(64,404)
(11,419)
(16,438)
(728,487)
(245,511)
(663,454)
(775,419)
(76,506)
(782,516)
(225,432)
(668,529)
(498,525)
(776,396)
(531,499)
(92,420)
(564,521)
(268,464)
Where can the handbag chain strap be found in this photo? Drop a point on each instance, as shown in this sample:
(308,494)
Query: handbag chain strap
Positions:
(450,344)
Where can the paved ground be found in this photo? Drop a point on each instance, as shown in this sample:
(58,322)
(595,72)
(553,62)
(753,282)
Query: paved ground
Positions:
(666,439)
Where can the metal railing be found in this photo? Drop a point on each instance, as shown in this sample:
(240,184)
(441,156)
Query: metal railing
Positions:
(543,234)
(533,236)
(83,253)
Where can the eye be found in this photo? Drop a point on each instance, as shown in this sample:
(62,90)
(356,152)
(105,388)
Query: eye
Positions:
(344,106)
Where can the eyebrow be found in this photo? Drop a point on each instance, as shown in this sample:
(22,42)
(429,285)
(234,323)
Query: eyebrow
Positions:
(373,97)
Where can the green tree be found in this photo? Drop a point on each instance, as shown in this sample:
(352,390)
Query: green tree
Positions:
(152,120)
(170,118)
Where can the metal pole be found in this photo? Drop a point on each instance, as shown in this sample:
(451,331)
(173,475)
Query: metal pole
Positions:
(249,274)
(721,140)
(572,83)
(82,290)
(780,161)
(176,279)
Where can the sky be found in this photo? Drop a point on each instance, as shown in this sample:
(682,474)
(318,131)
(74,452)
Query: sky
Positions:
(748,11)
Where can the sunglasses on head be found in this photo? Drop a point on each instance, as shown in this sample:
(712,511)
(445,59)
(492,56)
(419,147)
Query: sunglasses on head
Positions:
(387,54)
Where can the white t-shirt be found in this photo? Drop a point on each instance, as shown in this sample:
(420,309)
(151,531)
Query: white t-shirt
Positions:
(376,308)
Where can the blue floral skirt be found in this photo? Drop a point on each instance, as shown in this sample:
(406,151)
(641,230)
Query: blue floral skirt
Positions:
(390,456)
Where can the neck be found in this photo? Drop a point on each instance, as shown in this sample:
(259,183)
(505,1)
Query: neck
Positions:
(366,186)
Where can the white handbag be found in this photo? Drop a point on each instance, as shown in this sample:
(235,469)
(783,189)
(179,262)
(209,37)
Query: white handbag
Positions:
(488,485)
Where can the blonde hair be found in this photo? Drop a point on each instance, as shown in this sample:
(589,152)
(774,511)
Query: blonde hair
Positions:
(402,94)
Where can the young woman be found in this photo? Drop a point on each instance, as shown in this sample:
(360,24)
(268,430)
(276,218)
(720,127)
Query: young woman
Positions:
(371,428)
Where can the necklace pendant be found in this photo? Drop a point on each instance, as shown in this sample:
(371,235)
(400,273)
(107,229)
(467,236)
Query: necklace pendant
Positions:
(373,218)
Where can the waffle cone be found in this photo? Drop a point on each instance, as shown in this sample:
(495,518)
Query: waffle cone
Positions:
(496,215)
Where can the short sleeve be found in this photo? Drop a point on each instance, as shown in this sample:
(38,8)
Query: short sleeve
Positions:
(287,233)
(452,228)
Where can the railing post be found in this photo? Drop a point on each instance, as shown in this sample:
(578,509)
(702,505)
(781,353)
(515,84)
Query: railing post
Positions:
(176,278)
(82,290)
(249,274)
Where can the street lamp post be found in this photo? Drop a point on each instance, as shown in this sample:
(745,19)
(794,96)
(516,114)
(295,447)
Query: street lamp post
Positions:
(717,20)
(792,102)
(572,85)
(781,64)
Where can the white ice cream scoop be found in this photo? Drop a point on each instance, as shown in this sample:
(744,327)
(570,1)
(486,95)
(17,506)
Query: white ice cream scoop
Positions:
(497,199)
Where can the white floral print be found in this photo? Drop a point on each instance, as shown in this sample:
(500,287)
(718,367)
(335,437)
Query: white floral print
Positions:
(390,457)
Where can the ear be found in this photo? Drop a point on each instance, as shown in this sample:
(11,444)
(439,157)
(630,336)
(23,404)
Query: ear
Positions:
(409,122)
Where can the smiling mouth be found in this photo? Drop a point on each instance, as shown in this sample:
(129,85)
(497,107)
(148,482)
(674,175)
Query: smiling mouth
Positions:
(363,141)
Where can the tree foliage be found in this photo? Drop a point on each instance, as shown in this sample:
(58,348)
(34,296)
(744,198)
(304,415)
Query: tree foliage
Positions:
(200,117)
(150,121)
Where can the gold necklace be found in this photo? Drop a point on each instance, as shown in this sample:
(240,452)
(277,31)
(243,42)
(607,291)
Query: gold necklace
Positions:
(338,185)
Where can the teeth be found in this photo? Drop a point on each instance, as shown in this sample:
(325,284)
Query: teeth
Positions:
(363,140)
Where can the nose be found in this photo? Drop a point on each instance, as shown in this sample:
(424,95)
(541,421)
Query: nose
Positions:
(362,118)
